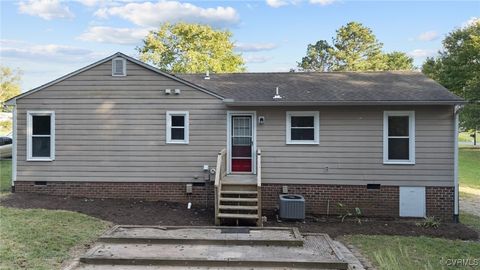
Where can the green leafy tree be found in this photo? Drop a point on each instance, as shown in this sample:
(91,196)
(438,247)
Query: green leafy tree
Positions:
(357,49)
(398,61)
(354,48)
(191,48)
(457,67)
(318,58)
(9,83)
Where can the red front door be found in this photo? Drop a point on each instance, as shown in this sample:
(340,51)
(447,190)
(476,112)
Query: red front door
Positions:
(242,142)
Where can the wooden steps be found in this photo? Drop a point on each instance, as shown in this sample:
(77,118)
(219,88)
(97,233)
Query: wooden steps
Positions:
(239,198)
(223,199)
(239,192)
(238,207)
(238,216)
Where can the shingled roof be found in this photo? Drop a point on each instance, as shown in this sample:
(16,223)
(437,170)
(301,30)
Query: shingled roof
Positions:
(300,88)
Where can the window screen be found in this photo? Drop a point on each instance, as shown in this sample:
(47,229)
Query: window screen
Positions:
(303,127)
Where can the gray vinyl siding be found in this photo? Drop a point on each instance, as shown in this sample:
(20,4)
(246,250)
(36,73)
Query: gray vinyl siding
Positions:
(113,129)
(351,147)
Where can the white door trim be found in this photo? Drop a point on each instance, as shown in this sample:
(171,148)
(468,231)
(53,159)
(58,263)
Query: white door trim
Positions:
(253,114)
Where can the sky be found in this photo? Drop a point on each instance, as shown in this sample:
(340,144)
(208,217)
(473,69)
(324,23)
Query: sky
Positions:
(47,39)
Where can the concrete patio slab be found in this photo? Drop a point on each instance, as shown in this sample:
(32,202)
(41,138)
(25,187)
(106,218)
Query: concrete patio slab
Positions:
(154,247)
(203,235)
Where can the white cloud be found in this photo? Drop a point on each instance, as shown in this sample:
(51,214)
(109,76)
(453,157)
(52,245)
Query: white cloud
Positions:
(255,59)
(281,3)
(106,34)
(254,47)
(471,21)
(277,3)
(322,2)
(45,9)
(428,36)
(90,3)
(153,14)
(15,49)
(421,53)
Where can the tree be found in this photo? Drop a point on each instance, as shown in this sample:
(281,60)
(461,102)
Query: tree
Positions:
(318,57)
(457,67)
(398,61)
(9,83)
(354,48)
(190,48)
(357,49)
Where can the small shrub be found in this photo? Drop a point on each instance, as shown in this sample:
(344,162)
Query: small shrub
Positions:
(429,222)
(346,213)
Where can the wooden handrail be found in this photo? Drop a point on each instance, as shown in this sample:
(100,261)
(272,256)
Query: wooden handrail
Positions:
(259,187)
(259,167)
(220,172)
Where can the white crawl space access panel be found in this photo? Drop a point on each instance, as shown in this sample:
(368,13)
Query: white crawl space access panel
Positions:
(412,202)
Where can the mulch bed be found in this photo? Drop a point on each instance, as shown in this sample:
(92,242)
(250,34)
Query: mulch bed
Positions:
(140,212)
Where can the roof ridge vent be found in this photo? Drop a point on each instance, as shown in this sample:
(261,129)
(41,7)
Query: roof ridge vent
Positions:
(277,95)
(207,75)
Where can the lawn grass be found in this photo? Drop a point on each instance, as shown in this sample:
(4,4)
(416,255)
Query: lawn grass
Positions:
(470,220)
(469,168)
(5,175)
(405,253)
(42,239)
(465,136)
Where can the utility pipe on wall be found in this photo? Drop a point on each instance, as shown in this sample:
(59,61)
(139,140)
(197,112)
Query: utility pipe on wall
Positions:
(456,112)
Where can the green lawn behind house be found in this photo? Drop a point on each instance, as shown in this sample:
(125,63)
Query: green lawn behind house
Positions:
(42,239)
(469,167)
(470,220)
(38,238)
(466,137)
(5,175)
(412,253)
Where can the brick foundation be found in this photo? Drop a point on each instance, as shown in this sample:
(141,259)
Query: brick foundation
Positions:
(320,199)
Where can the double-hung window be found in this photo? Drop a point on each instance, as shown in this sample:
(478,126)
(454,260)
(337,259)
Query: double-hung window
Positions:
(302,127)
(399,137)
(40,136)
(177,127)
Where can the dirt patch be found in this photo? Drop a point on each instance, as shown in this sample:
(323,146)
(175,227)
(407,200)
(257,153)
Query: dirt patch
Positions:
(134,212)
(140,212)
(377,226)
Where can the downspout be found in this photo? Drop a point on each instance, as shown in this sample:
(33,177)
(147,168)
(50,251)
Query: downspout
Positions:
(456,112)
(14,147)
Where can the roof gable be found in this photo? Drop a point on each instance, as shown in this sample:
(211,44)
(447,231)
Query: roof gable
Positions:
(109,58)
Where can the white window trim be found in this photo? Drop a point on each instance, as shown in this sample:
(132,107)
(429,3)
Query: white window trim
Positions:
(168,136)
(124,67)
(316,122)
(411,137)
(30,131)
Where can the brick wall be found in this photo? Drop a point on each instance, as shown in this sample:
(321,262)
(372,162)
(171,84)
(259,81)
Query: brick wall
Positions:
(323,198)
(383,202)
(440,202)
(171,192)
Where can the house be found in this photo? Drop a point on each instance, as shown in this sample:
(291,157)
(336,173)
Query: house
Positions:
(381,141)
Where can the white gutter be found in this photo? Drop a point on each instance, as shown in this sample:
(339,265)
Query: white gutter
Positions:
(456,112)
(14,147)
(232,102)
